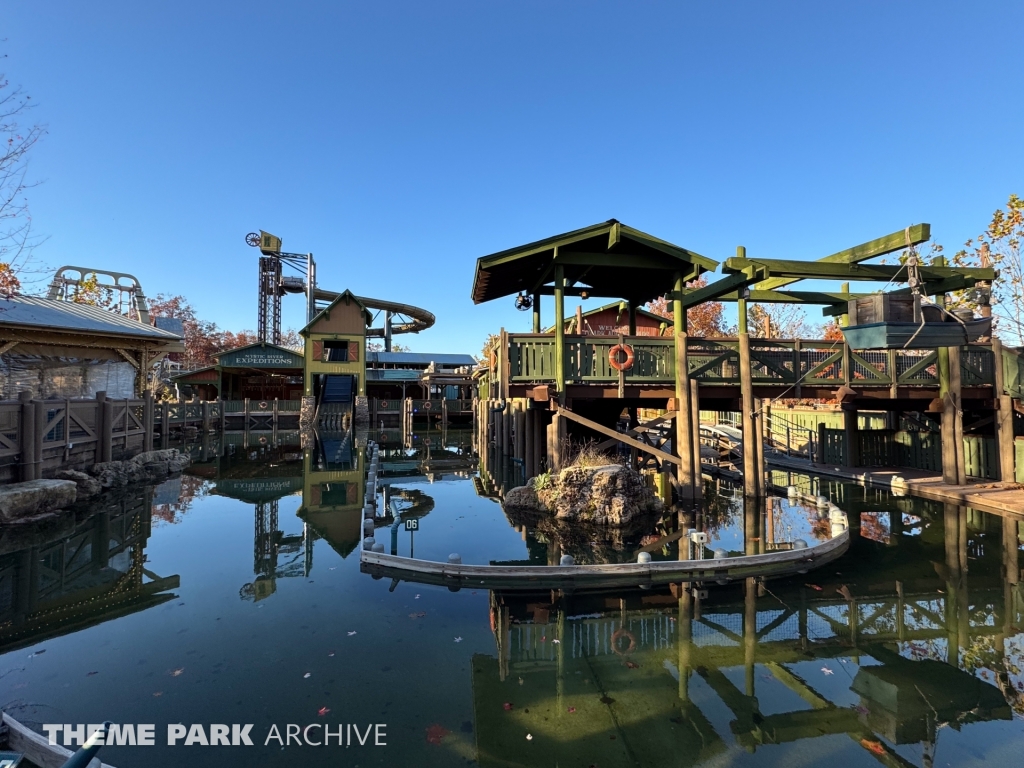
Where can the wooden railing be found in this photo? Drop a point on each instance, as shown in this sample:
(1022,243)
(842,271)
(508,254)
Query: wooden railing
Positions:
(530,359)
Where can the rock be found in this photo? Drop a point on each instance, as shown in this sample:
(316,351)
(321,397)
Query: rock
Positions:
(87,486)
(610,495)
(523,497)
(22,500)
(146,467)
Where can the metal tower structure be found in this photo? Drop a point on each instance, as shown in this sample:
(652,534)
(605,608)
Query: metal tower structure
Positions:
(273,285)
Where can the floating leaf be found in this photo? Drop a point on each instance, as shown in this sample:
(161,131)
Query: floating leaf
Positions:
(323,711)
(435,733)
(307,675)
(458,639)
(177,672)
(507,706)
(351,633)
(827,671)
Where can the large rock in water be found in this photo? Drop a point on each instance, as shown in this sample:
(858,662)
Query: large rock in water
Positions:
(611,495)
(22,500)
(146,467)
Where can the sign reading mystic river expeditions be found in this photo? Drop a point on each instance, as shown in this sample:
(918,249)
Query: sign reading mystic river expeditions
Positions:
(260,356)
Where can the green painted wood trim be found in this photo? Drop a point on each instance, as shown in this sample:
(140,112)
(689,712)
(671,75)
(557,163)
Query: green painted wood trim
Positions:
(918,233)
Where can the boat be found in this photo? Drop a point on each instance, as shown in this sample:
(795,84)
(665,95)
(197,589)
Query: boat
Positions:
(885,321)
(24,744)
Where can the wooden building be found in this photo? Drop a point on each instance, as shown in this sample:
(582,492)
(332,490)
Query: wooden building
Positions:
(59,350)
(613,319)
(260,371)
(335,355)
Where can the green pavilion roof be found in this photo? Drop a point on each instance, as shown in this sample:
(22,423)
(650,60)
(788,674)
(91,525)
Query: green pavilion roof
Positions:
(609,260)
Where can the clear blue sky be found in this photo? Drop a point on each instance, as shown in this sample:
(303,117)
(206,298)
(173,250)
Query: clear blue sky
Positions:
(398,141)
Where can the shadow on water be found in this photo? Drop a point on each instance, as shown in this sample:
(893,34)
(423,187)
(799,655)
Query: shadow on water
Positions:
(906,651)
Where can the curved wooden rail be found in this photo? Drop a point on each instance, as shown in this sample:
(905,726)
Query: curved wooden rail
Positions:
(770,565)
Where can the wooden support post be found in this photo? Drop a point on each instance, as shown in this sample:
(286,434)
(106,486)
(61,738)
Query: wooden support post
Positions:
(684,432)
(751,449)
(851,437)
(820,447)
(29,438)
(106,433)
(698,479)
(556,437)
(245,414)
(536,313)
(206,416)
(539,441)
(953,469)
(529,453)
(165,424)
(560,330)
(147,420)
(1003,417)
(759,467)
(958,414)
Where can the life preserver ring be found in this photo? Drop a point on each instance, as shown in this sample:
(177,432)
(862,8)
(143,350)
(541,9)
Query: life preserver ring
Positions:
(620,633)
(383,437)
(264,405)
(426,441)
(427,405)
(263,441)
(613,357)
(382,404)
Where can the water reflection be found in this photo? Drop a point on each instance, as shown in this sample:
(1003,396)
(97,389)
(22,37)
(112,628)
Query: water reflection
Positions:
(890,647)
(74,571)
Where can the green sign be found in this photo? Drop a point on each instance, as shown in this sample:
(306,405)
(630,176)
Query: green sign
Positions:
(260,357)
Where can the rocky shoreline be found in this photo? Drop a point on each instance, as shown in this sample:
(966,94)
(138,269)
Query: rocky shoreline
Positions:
(37,502)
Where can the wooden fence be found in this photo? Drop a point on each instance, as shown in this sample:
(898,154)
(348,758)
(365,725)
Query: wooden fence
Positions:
(917,450)
(530,358)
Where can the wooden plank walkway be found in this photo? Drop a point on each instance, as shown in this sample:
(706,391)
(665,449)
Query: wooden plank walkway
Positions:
(1000,498)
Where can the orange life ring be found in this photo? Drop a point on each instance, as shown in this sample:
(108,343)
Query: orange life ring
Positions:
(426,405)
(383,437)
(382,404)
(263,440)
(620,633)
(264,405)
(426,441)
(613,357)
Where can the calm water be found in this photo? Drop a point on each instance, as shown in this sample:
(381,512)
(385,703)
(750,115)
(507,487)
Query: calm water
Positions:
(234,595)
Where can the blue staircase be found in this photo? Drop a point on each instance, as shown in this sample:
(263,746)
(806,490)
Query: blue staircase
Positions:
(337,389)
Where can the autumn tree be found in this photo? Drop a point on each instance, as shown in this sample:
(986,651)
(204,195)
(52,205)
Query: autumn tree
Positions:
(16,237)
(705,320)
(202,338)
(999,246)
(778,321)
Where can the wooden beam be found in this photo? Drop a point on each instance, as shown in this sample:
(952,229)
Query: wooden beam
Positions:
(799,270)
(720,287)
(8,346)
(129,358)
(632,443)
(622,260)
(795,297)
(918,233)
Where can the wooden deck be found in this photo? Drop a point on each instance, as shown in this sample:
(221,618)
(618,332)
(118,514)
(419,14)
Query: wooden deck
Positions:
(804,368)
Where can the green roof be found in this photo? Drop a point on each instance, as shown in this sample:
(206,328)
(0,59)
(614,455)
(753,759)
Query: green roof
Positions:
(610,259)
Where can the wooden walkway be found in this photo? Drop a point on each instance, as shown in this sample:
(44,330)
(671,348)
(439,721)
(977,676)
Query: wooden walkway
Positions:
(999,498)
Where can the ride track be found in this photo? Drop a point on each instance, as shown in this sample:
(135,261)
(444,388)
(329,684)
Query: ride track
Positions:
(418,319)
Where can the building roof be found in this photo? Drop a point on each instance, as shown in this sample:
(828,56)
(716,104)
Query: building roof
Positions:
(623,309)
(345,296)
(608,259)
(66,316)
(418,358)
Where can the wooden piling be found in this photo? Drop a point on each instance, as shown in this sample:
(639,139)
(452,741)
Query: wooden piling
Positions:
(698,478)
(684,431)
(29,438)
(148,420)
(751,486)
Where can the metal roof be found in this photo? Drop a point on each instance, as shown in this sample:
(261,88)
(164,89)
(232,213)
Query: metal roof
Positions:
(392,374)
(36,312)
(418,358)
